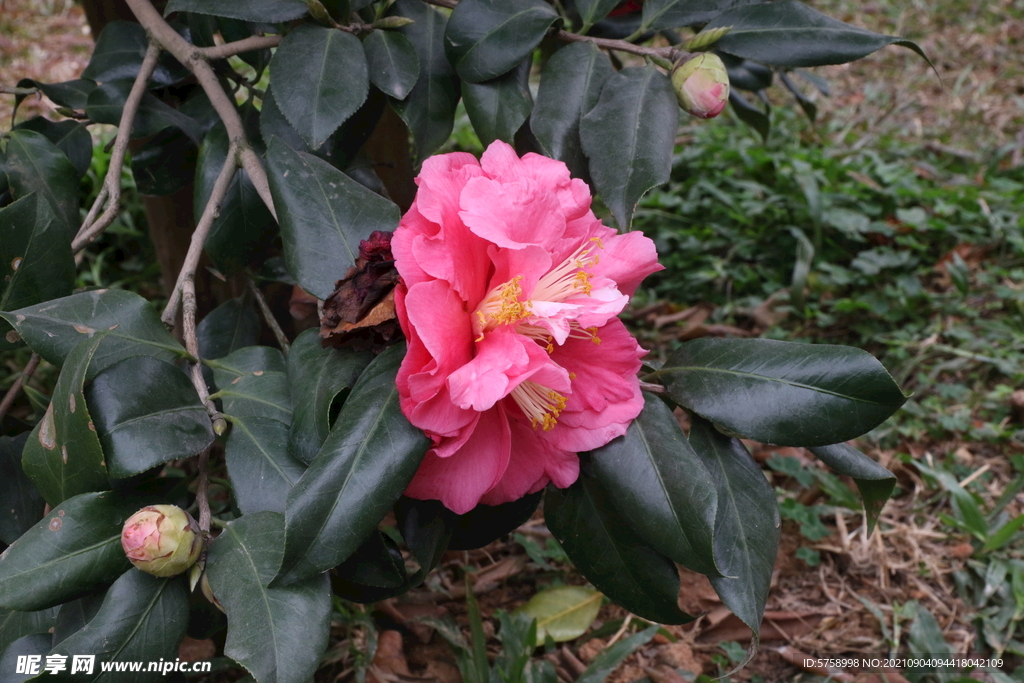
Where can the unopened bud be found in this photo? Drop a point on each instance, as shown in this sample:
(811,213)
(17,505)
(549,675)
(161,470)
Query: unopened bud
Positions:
(702,85)
(162,540)
(392,22)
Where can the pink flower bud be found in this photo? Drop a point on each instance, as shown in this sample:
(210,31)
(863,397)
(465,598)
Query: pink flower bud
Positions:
(702,85)
(162,540)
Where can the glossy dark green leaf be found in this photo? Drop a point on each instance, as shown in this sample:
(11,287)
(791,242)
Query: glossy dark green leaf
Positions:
(142,618)
(746,525)
(21,504)
(70,94)
(367,461)
(426,527)
(392,63)
(120,49)
(147,412)
(63,456)
(429,110)
(376,562)
(569,88)
(593,11)
(316,376)
(14,625)
(165,163)
(252,382)
(278,634)
(231,326)
(53,328)
(487,38)
(497,108)
(324,215)
(71,137)
(659,14)
(272,124)
(874,482)
(486,523)
(74,548)
(783,393)
(609,658)
(106,102)
(661,487)
(243,226)
(75,614)
(745,74)
(789,33)
(608,553)
(262,11)
(629,136)
(32,645)
(750,115)
(36,263)
(312,89)
(261,470)
(34,164)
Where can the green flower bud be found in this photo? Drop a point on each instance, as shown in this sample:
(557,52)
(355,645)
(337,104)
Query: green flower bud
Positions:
(162,540)
(702,85)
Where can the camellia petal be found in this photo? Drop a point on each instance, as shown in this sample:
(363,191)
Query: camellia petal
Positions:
(516,360)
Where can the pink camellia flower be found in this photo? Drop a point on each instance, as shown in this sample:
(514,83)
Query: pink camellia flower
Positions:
(509,295)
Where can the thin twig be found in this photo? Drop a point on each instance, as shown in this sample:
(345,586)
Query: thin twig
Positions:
(110,195)
(12,393)
(195,60)
(199,235)
(670,53)
(239,46)
(268,315)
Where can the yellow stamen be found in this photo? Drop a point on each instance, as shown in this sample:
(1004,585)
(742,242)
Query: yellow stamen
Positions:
(541,405)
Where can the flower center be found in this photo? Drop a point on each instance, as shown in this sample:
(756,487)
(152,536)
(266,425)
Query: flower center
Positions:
(540,404)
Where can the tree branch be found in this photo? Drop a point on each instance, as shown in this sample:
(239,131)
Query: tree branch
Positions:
(195,247)
(24,377)
(110,195)
(268,315)
(195,60)
(239,46)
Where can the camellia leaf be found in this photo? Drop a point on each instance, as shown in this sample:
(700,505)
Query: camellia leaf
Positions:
(487,38)
(34,644)
(70,137)
(106,102)
(750,114)
(314,94)
(661,487)
(21,504)
(14,624)
(231,326)
(659,14)
(142,618)
(262,471)
(874,482)
(120,49)
(316,376)
(783,393)
(367,461)
(569,88)
(63,454)
(486,523)
(70,94)
(272,124)
(75,614)
(497,108)
(147,412)
(34,164)
(789,33)
(629,136)
(53,328)
(243,225)
(74,548)
(278,634)
(608,553)
(392,63)
(746,525)
(262,11)
(593,11)
(165,163)
(376,563)
(324,215)
(429,109)
(36,263)
(253,382)
(426,527)
(564,613)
